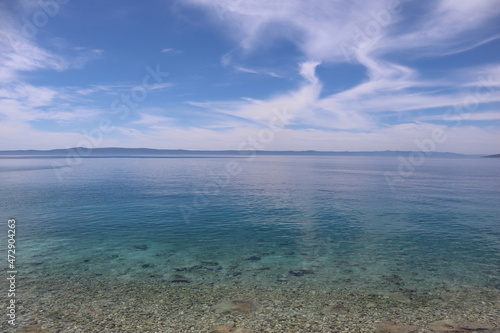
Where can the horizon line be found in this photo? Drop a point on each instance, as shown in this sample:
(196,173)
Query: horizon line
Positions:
(239,150)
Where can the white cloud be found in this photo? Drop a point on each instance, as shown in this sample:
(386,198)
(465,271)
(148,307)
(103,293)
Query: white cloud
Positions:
(448,27)
(30,96)
(477,116)
(152,120)
(256,71)
(169,50)
(160,86)
(18,54)
(318,29)
(369,31)
(307,70)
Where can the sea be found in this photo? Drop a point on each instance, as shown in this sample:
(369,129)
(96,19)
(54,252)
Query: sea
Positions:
(309,225)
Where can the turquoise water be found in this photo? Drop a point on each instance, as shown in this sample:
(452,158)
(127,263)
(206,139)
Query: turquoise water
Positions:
(279,221)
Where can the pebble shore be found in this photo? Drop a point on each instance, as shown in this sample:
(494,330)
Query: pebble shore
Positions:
(70,306)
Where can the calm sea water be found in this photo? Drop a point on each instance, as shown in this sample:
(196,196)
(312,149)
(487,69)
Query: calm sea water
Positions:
(276,220)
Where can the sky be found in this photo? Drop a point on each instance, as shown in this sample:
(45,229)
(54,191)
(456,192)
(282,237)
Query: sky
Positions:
(330,75)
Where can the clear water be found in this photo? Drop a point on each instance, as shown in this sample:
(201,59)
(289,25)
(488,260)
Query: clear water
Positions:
(125,219)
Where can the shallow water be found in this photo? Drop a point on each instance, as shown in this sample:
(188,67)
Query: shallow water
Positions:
(284,222)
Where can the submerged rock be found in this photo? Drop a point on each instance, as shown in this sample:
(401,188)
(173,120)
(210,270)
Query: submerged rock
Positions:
(393,327)
(210,265)
(203,265)
(263,268)
(452,326)
(176,278)
(236,306)
(393,278)
(300,272)
(141,247)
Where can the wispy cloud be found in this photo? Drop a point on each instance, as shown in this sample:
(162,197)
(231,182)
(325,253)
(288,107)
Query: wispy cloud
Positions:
(26,103)
(152,120)
(447,27)
(169,50)
(370,31)
(19,55)
(467,116)
(256,71)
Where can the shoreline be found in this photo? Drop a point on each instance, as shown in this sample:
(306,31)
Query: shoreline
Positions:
(59,305)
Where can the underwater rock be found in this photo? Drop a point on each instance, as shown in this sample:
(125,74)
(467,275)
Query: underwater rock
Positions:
(204,265)
(188,268)
(166,254)
(235,306)
(179,279)
(210,265)
(235,273)
(300,272)
(393,327)
(141,247)
(282,279)
(263,268)
(451,326)
(393,278)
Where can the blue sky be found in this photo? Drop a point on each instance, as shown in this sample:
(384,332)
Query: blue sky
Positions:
(234,74)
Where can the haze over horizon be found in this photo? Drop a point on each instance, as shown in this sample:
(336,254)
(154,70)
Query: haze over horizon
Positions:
(227,75)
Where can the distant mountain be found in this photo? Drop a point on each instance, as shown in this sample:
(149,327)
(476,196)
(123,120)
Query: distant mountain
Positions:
(492,156)
(147,152)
